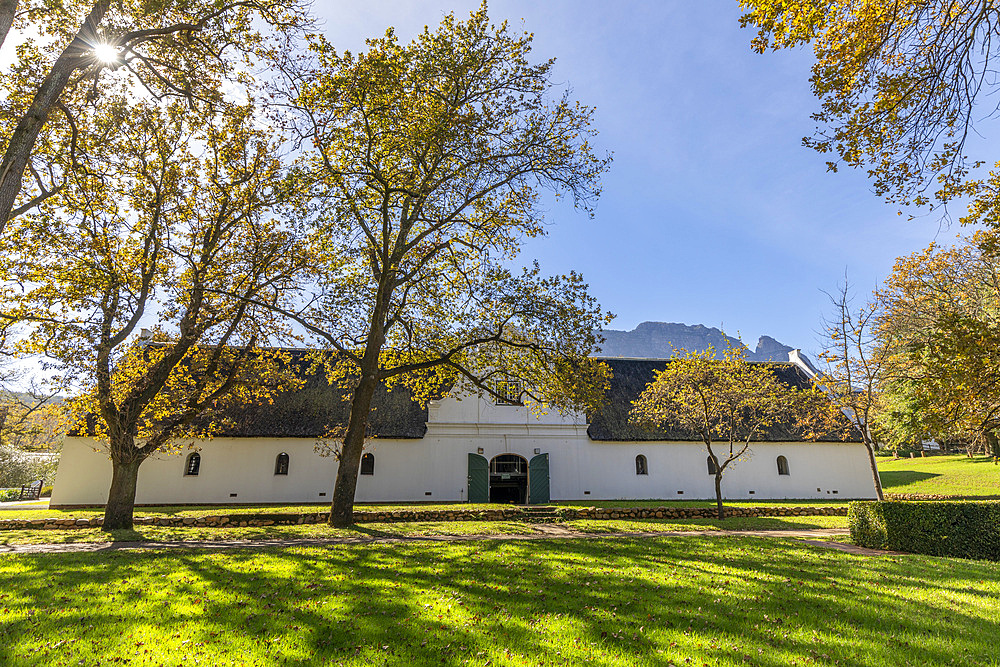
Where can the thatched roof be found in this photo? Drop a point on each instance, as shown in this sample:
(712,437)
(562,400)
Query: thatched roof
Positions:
(630,377)
(317,408)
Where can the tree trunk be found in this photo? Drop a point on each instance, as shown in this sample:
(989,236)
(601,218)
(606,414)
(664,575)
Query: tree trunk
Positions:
(342,507)
(22,141)
(121,498)
(875,477)
(7,10)
(718,495)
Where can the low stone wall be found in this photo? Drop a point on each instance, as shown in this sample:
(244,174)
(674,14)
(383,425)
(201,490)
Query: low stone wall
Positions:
(694,512)
(919,496)
(398,516)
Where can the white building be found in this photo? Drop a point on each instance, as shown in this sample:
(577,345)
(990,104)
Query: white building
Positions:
(471,449)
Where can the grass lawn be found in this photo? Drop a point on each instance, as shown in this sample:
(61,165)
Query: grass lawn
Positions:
(946,475)
(699,601)
(196,510)
(321,531)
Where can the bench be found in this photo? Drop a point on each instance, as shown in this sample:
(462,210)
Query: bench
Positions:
(31,490)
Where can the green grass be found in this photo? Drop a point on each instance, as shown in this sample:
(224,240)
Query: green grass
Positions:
(946,475)
(698,601)
(303,532)
(735,523)
(322,531)
(200,510)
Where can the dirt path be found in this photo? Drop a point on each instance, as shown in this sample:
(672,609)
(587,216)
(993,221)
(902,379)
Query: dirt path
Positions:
(542,532)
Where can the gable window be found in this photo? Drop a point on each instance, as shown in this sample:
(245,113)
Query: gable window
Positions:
(782,466)
(193,465)
(368,464)
(281,464)
(711,466)
(508,392)
(640,465)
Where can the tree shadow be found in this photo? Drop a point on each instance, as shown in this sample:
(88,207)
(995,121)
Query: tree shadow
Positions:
(892,478)
(626,601)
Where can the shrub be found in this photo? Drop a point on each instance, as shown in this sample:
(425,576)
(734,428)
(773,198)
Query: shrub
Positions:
(6,495)
(46,492)
(936,528)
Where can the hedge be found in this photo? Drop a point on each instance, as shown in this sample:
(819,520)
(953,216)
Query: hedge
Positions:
(936,528)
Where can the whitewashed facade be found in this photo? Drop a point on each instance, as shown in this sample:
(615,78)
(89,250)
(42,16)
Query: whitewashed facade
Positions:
(436,467)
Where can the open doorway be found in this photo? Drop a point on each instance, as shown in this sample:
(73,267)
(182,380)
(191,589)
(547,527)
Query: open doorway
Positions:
(509,479)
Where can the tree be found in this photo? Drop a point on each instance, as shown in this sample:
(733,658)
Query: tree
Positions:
(898,84)
(856,368)
(429,159)
(940,327)
(729,402)
(74,49)
(166,217)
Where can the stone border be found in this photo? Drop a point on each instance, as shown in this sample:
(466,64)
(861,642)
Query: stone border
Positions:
(398,516)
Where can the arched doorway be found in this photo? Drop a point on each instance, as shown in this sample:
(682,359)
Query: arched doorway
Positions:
(509,479)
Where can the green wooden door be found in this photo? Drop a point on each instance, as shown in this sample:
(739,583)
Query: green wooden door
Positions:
(538,479)
(479,479)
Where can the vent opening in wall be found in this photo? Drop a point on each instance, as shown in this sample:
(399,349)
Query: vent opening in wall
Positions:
(818,490)
(586,493)
(680,493)
(752,492)
(427,493)
(835,490)
(322,494)
(232,495)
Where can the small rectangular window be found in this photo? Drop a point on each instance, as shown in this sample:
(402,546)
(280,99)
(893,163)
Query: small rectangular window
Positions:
(509,392)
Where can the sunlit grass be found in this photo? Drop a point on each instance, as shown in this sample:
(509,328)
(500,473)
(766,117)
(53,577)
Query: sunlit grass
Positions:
(201,510)
(714,601)
(944,475)
(408,529)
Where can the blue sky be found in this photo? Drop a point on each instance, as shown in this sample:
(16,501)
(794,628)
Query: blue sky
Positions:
(712,212)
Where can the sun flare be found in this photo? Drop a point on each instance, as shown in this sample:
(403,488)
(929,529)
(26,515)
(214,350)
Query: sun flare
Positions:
(107,53)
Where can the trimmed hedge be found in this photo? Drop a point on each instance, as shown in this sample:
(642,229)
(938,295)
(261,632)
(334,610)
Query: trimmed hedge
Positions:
(936,528)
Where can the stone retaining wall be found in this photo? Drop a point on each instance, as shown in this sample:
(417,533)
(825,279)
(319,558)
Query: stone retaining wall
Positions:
(397,516)
(920,496)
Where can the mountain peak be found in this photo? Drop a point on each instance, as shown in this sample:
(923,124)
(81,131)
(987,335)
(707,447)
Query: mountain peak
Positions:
(657,340)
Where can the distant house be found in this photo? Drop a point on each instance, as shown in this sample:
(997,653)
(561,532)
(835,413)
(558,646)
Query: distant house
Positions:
(471,449)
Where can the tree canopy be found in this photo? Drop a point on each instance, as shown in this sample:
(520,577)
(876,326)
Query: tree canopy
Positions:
(940,328)
(729,402)
(71,51)
(900,85)
(168,216)
(428,160)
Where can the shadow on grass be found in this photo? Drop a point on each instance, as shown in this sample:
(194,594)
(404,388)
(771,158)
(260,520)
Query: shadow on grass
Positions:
(891,478)
(719,600)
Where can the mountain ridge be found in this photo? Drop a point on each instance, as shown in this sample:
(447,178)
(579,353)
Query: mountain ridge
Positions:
(659,340)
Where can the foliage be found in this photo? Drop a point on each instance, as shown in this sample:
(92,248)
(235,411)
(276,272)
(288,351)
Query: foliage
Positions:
(940,331)
(168,216)
(717,601)
(18,467)
(898,84)
(937,528)
(73,51)
(428,160)
(730,402)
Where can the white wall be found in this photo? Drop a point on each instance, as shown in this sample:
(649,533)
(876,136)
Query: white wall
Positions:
(434,468)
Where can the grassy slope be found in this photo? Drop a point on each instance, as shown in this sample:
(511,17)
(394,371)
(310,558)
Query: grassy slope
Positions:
(723,601)
(947,475)
(157,533)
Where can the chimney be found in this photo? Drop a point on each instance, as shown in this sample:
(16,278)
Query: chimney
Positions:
(796,357)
